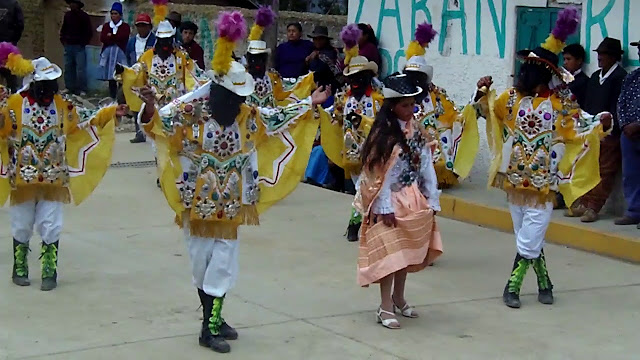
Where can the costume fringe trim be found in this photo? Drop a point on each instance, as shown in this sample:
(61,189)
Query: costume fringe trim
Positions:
(227,230)
(445,176)
(40,192)
(520,197)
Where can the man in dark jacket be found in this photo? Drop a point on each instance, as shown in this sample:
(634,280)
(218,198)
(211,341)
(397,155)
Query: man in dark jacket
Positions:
(603,90)
(75,34)
(574,56)
(11,28)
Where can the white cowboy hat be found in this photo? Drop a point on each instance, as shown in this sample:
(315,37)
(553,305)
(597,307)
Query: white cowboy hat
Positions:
(358,64)
(165,30)
(43,70)
(399,86)
(258,47)
(237,80)
(419,63)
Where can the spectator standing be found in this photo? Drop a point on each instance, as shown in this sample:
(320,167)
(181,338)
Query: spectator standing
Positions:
(189,31)
(175,19)
(11,28)
(574,56)
(290,61)
(323,61)
(603,91)
(629,118)
(75,34)
(114,38)
(368,45)
(144,40)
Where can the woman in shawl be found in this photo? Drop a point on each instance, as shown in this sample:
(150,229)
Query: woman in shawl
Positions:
(398,197)
(114,37)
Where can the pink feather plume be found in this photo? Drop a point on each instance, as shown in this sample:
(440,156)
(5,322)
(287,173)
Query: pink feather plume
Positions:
(265,16)
(231,25)
(6,49)
(159,2)
(350,35)
(425,34)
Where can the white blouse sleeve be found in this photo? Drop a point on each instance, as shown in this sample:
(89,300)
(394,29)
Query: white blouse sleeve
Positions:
(429,185)
(382,204)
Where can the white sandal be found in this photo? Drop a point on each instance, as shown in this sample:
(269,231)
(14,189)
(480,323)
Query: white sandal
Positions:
(388,323)
(406,310)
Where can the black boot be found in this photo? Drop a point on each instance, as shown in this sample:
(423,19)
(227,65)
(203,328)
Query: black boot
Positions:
(545,287)
(49,258)
(210,335)
(352,232)
(20,275)
(511,294)
(226,331)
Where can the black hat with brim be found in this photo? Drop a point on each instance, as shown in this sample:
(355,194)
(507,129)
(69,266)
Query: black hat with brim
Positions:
(543,57)
(610,46)
(635,43)
(80,3)
(320,31)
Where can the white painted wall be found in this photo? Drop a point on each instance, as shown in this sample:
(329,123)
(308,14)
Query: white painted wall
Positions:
(458,72)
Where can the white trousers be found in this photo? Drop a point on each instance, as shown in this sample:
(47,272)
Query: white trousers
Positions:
(47,216)
(530,226)
(214,263)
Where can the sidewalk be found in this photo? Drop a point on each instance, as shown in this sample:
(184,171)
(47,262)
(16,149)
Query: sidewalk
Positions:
(125,290)
(473,202)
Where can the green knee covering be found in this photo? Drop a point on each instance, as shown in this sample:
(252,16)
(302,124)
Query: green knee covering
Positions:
(517,275)
(540,267)
(356,217)
(215,321)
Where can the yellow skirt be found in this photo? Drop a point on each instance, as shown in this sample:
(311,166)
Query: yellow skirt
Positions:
(413,244)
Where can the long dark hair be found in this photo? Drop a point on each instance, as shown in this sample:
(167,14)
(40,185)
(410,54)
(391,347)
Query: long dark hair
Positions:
(371,35)
(385,134)
(530,76)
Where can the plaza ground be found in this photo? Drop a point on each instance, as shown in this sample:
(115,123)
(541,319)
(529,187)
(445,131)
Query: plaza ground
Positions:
(125,289)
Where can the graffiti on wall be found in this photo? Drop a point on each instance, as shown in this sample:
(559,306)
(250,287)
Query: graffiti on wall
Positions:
(483,23)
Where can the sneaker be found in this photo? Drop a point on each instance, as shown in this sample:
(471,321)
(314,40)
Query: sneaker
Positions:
(589,216)
(626,220)
(139,138)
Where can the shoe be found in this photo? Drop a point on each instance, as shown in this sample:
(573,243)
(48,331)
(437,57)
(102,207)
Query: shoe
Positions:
(388,323)
(20,274)
(216,343)
(576,210)
(158,182)
(227,332)
(626,220)
(49,258)
(511,294)
(139,138)
(545,287)
(406,311)
(353,231)
(589,216)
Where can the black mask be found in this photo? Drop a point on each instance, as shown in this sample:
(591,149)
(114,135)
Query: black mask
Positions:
(420,79)
(224,105)
(164,47)
(43,91)
(360,82)
(530,76)
(257,65)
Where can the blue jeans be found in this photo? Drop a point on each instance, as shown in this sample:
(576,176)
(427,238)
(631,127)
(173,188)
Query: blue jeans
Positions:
(631,175)
(75,68)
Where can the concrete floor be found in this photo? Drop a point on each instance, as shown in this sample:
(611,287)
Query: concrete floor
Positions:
(125,290)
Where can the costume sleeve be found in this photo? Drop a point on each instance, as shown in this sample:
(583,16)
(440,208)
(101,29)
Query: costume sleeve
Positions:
(133,78)
(194,75)
(277,120)
(5,119)
(429,185)
(382,204)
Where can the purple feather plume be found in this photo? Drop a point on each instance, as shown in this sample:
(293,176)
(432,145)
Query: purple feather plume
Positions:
(567,23)
(159,2)
(231,25)
(350,35)
(265,16)
(425,34)
(7,48)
